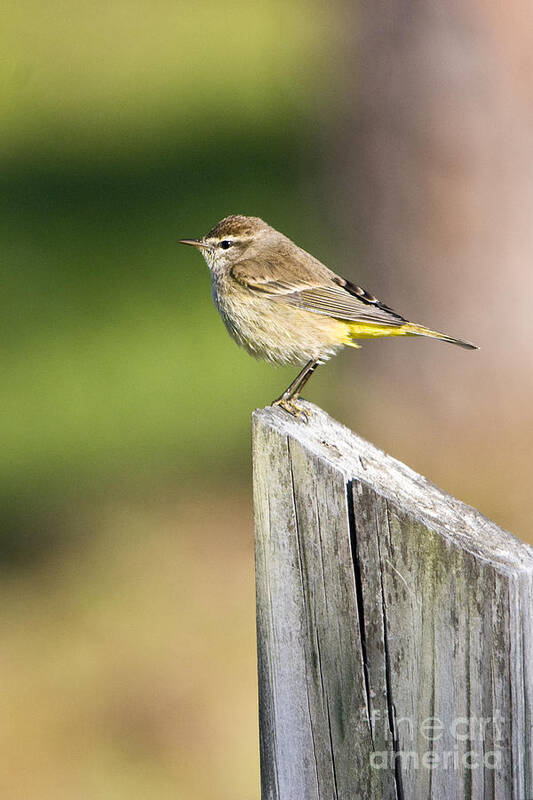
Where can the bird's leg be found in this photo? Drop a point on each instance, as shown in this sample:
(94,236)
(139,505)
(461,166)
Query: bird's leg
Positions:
(291,394)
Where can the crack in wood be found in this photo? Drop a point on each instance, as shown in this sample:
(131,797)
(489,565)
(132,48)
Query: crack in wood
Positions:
(307,605)
(271,676)
(332,750)
(360,602)
(388,680)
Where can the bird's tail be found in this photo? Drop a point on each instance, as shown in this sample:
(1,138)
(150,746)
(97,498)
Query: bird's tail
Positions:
(410,329)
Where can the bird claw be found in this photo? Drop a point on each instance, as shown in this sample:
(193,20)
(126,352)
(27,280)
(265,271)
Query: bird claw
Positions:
(292,408)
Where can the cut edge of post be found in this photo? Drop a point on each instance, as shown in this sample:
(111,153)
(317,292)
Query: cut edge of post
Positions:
(406,489)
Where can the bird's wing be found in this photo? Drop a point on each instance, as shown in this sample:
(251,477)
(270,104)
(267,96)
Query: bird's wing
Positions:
(348,302)
(334,297)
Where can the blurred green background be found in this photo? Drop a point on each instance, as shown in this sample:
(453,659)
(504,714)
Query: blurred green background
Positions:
(127,600)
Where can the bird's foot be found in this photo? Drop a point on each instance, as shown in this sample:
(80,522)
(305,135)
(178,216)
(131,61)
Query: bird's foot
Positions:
(290,405)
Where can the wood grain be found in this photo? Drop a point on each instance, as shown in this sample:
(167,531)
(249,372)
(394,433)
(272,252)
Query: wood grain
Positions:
(394,627)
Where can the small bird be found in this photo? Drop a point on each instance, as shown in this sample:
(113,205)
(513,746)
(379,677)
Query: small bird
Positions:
(282,304)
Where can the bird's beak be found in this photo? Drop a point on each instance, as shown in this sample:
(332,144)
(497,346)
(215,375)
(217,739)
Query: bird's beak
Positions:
(193,242)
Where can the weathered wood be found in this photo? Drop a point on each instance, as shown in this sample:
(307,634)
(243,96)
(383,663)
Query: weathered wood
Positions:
(394,624)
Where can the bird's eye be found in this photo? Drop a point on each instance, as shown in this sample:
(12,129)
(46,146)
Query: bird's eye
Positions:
(225,244)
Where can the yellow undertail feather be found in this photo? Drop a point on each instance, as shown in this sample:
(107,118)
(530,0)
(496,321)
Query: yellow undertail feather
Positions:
(368,330)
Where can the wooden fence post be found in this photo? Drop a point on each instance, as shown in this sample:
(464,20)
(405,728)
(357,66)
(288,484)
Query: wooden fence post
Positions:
(394,626)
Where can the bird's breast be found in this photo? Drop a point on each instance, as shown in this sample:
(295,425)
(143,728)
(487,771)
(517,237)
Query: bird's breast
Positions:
(271,330)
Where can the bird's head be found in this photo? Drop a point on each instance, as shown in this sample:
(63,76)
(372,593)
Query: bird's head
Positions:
(228,241)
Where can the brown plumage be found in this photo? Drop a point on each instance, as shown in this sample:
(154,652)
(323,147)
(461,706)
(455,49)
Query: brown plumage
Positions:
(282,304)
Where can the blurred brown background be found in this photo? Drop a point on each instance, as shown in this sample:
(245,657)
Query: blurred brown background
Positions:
(394,141)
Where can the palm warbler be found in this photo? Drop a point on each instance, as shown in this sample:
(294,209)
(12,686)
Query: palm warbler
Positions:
(282,304)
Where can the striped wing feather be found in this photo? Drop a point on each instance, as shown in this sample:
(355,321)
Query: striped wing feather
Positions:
(335,297)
